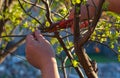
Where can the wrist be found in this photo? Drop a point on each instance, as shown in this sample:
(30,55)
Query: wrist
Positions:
(49,64)
(50,70)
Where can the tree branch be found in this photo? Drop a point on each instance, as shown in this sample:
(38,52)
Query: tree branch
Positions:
(68,54)
(48,12)
(80,41)
(37,5)
(29,14)
(11,49)
(25,35)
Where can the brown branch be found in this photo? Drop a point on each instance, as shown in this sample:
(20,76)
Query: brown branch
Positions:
(67,36)
(7,4)
(32,6)
(29,14)
(80,41)
(11,49)
(68,54)
(14,47)
(37,5)
(93,24)
(25,35)
(48,11)
(63,67)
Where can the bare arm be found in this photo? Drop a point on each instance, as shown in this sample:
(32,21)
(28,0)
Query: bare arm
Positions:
(114,6)
(40,54)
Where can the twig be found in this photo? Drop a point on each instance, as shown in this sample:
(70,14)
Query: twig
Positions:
(64,69)
(29,14)
(65,66)
(93,24)
(51,2)
(37,5)
(13,36)
(48,12)
(80,41)
(31,7)
(105,46)
(25,35)
(12,48)
(78,70)
(7,4)
(18,56)
(67,36)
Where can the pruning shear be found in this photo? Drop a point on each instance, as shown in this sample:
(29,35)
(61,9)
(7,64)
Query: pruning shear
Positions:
(63,25)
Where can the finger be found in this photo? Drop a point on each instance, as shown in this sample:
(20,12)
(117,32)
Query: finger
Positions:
(72,28)
(39,36)
(30,39)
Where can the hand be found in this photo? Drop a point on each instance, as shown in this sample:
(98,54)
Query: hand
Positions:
(83,24)
(39,52)
(84,14)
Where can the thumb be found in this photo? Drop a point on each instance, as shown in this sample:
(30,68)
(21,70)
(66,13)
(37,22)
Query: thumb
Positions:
(39,36)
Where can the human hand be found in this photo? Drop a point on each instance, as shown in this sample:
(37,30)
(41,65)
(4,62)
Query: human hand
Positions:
(39,52)
(83,24)
(84,14)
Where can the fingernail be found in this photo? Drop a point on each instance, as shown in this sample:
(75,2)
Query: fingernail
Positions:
(38,31)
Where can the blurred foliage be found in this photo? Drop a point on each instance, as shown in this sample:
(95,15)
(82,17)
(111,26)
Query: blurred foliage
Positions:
(107,30)
(25,17)
(14,16)
(75,63)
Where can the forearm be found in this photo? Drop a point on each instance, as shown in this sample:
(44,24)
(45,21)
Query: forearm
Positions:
(91,9)
(113,6)
(50,70)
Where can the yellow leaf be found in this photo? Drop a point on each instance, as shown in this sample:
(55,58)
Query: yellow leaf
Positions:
(75,63)
(78,1)
(3,34)
(47,24)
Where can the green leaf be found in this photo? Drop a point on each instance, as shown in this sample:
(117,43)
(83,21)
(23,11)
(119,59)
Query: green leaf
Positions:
(118,49)
(105,5)
(84,2)
(53,41)
(69,44)
(3,34)
(63,11)
(1,16)
(75,63)
(25,25)
(59,49)
(119,57)
(47,24)
(76,1)
(32,28)
(2,47)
